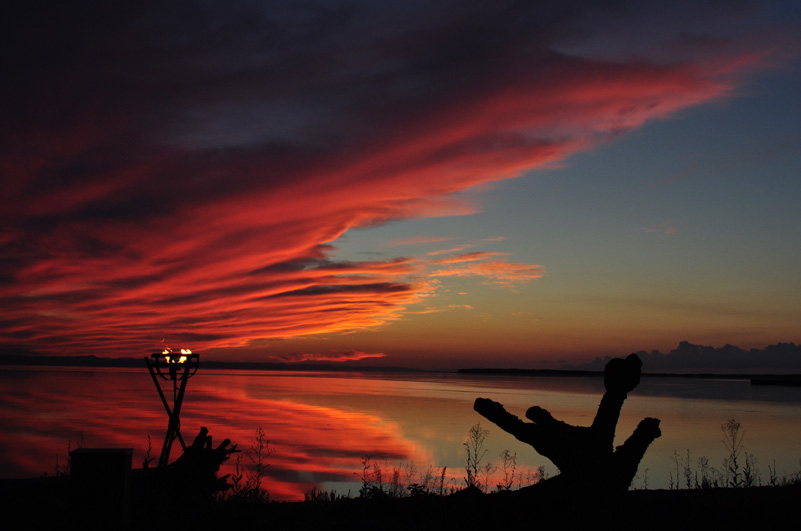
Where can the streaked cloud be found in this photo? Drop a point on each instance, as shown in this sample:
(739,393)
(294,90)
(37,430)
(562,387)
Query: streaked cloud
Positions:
(492,267)
(467,257)
(447,308)
(183,171)
(456,249)
(337,357)
(666,227)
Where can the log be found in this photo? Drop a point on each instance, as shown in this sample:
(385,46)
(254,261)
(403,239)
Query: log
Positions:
(197,467)
(584,455)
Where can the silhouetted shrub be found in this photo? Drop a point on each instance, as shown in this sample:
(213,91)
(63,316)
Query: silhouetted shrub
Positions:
(474,445)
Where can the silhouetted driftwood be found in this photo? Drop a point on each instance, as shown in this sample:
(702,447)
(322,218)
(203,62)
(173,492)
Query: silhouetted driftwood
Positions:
(196,470)
(585,455)
(184,489)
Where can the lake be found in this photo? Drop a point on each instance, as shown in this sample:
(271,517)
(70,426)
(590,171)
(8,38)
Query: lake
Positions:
(321,425)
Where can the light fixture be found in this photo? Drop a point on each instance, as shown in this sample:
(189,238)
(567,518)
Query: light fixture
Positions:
(176,366)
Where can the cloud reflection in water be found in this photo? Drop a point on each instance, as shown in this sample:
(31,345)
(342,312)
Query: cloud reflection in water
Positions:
(45,410)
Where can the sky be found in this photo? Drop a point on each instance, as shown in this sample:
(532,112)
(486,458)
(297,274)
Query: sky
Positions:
(420,184)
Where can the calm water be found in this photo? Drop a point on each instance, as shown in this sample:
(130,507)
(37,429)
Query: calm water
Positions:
(321,425)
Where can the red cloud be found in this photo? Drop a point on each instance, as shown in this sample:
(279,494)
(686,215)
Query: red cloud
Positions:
(495,272)
(156,186)
(353,355)
(489,265)
(665,228)
(451,250)
(467,257)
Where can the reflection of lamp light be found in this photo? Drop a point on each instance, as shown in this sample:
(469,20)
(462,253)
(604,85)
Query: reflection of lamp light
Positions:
(175,366)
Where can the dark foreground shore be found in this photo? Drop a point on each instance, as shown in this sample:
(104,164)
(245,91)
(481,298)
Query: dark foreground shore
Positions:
(636,510)
(49,504)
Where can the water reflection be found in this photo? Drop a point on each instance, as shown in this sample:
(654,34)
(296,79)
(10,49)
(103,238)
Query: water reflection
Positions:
(322,424)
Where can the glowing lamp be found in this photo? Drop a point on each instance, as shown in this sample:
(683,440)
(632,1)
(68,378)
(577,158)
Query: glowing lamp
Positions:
(176,366)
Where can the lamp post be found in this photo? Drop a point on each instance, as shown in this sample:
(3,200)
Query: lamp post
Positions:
(177,367)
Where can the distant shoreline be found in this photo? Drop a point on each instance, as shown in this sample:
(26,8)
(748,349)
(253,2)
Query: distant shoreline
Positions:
(138,363)
(755,379)
(17,360)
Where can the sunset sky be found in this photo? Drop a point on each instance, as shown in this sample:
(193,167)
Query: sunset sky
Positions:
(428,184)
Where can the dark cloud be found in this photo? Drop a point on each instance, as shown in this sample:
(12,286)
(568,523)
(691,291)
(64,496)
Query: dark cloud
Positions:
(728,359)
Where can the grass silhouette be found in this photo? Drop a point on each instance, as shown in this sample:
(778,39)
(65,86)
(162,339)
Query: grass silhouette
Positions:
(403,496)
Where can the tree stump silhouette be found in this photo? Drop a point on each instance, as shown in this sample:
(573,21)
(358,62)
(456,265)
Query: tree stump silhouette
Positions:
(585,455)
(196,469)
